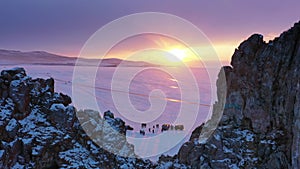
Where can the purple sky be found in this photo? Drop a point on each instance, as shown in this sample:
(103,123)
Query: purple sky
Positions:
(63,26)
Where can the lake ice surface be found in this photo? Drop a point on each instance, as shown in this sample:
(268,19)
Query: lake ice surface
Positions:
(152,95)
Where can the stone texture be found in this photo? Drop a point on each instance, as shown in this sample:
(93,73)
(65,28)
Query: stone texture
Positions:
(259,127)
(39,129)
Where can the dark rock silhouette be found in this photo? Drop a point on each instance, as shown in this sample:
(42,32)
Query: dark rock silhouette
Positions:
(260,125)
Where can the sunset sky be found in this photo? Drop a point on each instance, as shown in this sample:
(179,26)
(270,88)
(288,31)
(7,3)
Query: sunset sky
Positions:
(62,27)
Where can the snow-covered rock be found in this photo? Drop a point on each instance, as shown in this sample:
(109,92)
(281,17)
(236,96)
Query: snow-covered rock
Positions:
(40,129)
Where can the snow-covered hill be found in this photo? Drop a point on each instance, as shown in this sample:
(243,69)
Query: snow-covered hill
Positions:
(13,57)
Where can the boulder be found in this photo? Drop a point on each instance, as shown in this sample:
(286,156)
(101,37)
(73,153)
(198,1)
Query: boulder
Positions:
(19,93)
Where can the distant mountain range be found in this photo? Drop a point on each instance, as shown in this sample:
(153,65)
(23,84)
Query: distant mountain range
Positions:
(12,57)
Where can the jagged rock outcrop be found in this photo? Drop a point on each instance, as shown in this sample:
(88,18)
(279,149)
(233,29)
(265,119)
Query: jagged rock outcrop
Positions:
(39,129)
(260,125)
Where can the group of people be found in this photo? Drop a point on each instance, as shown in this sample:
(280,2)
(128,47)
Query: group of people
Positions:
(155,128)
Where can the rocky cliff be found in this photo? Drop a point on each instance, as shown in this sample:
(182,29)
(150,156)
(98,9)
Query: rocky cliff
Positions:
(39,129)
(260,125)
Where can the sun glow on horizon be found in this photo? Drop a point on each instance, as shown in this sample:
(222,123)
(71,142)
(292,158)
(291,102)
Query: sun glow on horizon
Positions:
(181,54)
(162,50)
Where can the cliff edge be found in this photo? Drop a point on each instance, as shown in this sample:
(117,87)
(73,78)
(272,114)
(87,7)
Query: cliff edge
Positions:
(260,125)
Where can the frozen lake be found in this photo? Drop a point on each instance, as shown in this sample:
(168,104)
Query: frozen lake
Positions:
(168,95)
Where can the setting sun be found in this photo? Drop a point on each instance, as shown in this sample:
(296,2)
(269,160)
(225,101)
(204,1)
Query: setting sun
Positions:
(179,53)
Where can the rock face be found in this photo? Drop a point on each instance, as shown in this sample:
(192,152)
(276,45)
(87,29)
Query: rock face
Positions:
(39,129)
(260,125)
